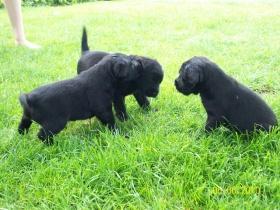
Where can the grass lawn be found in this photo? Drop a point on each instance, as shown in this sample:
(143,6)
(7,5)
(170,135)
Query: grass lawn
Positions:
(168,162)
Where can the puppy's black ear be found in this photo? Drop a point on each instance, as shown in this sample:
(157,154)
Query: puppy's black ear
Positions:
(120,70)
(136,68)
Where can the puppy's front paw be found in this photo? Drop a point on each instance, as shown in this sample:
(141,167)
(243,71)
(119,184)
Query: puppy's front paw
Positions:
(21,131)
(146,107)
(48,141)
(211,126)
(122,117)
(45,138)
(24,126)
(208,129)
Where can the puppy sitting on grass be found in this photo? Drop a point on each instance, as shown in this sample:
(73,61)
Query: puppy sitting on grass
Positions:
(226,101)
(86,95)
(146,84)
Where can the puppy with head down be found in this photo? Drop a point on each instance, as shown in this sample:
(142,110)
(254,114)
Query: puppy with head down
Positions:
(89,94)
(227,102)
(145,84)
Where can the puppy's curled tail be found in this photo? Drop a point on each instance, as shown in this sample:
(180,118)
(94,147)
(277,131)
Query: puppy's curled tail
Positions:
(25,103)
(84,46)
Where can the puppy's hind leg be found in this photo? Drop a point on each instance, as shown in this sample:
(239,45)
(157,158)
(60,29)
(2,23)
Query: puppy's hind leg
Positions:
(50,129)
(211,124)
(24,125)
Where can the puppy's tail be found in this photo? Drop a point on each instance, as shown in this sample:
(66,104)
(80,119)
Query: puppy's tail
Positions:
(84,41)
(25,103)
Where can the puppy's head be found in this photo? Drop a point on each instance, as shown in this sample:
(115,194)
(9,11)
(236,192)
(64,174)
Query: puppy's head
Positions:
(190,76)
(124,68)
(151,77)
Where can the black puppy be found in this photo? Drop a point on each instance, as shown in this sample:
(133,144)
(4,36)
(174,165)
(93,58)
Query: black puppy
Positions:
(86,95)
(146,83)
(226,101)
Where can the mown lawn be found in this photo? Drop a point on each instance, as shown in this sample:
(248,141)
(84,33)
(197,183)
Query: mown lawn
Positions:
(168,162)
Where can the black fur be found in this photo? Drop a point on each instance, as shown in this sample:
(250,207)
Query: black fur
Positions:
(84,41)
(226,101)
(89,94)
(144,85)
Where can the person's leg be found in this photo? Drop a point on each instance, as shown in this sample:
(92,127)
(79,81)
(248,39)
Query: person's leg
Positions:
(14,11)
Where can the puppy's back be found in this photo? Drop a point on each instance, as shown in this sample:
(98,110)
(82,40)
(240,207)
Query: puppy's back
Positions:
(250,110)
(90,59)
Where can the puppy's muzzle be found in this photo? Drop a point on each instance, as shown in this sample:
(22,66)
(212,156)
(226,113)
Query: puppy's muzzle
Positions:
(181,87)
(177,85)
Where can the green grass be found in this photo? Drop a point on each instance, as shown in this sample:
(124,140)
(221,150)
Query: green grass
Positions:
(168,162)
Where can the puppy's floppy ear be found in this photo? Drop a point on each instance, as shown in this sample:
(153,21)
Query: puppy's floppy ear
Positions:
(120,70)
(128,70)
(135,70)
(136,64)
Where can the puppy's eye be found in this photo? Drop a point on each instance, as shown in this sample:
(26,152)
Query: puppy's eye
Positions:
(185,77)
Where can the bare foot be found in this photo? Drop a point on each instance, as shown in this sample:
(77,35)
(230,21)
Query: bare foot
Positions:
(26,43)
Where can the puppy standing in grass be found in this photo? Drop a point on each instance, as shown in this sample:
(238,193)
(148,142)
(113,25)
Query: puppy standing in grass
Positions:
(145,84)
(88,94)
(226,101)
